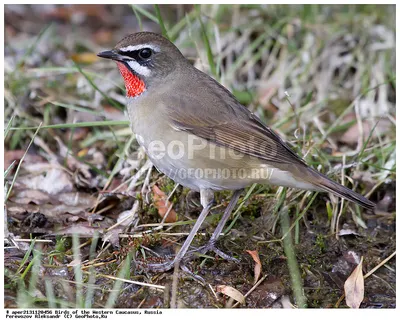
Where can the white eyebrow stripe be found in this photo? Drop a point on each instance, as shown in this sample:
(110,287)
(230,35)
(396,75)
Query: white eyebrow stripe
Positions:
(139,47)
(139,69)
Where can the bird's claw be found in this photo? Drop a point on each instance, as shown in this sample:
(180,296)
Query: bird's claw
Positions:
(166,266)
(210,247)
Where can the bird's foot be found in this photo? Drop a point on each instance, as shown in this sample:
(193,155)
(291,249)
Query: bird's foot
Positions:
(166,266)
(210,247)
(161,265)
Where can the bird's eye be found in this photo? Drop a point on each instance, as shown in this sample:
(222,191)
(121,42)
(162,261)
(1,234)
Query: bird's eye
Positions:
(145,53)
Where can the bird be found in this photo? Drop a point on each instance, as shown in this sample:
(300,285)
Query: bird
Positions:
(197,133)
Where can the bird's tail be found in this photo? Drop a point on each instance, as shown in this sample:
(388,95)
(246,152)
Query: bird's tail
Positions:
(325,184)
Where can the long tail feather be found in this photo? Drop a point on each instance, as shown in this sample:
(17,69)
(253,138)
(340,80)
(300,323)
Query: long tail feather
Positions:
(326,184)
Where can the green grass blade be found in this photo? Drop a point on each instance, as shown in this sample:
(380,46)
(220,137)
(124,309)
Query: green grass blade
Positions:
(31,48)
(67,70)
(76,108)
(293,265)
(26,257)
(236,214)
(36,264)
(20,163)
(9,125)
(75,125)
(138,18)
(161,22)
(175,30)
(78,271)
(206,41)
(51,299)
(92,276)
(145,13)
(109,99)
(367,141)
(123,274)
(9,168)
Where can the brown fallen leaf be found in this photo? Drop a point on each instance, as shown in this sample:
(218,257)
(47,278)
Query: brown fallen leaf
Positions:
(353,134)
(354,287)
(77,134)
(231,292)
(163,206)
(16,155)
(103,36)
(10,156)
(257,266)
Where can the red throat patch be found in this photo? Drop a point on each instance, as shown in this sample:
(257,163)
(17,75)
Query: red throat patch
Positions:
(133,84)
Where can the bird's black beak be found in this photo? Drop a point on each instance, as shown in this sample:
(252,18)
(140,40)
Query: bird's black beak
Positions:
(113,55)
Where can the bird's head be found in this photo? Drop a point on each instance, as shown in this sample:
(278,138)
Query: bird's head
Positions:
(144,59)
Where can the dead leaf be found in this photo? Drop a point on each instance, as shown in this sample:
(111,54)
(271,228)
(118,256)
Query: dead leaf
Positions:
(286,303)
(163,206)
(73,163)
(103,36)
(55,211)
(78,134)
(75,262)
(125,219)
(81,229)
(354,287)
(52,181)
(346,232)
(30,196)
(231,292)
(10,156)
(77,199)
(16,155)
(353,134)
(257,266)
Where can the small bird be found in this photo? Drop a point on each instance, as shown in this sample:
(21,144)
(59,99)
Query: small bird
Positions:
(196,132)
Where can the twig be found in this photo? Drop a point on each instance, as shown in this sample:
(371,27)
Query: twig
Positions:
(251,290)
(379,265)
(33,240)
(174,289)
(156,286)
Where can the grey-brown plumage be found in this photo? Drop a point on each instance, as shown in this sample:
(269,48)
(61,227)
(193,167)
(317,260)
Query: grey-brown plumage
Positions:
(184,105)
(189,101)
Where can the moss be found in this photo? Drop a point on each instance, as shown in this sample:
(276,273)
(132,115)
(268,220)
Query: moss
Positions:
(320,243)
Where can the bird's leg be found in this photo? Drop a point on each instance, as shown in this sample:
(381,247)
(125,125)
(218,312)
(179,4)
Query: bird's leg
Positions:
(210,246)
(206,199)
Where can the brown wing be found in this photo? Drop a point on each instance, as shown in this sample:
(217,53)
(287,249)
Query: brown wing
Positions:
(211,112)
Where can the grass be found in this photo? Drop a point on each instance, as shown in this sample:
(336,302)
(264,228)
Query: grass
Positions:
(309,73)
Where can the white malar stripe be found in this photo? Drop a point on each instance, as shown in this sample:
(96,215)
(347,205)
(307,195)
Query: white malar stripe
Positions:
(139,69)
(130,48)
